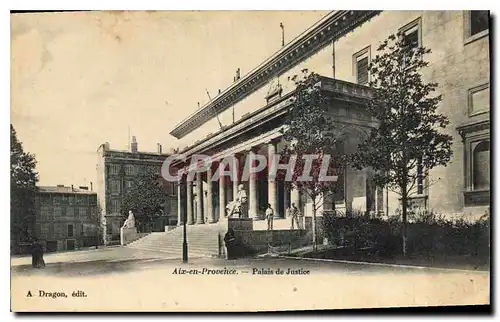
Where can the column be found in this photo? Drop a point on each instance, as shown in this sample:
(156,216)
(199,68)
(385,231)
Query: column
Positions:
(189,201)
(199,199)
(253,201)
(210,200)
(272,196)
(222,195)
(180,210)
(236,168)
(295,196)
(286,197)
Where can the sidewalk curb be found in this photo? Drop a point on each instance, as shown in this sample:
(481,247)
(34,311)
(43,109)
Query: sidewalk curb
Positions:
(76,251)
(384,264)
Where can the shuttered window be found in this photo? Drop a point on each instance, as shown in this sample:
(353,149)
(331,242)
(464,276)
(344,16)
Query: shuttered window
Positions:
(479,21)
(362,70)
(411,34)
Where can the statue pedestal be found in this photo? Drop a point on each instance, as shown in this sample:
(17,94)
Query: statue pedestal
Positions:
(236,223)
(128,235)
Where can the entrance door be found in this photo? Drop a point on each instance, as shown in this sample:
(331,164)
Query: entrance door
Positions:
(70,244)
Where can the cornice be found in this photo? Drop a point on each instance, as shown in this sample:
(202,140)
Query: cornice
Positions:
(471,127)
(332,27)
(338,89)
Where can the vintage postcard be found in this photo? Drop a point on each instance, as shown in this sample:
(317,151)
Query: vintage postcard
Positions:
(245,161)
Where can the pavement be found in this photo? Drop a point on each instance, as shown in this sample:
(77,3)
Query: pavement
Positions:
(126,279)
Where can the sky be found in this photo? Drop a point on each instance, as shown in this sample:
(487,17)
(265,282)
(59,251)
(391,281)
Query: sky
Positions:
(81,79)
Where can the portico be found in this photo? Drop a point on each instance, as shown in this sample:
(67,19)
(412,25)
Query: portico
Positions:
(259,133)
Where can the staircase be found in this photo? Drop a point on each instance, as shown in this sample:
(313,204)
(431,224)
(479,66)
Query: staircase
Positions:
(203,240)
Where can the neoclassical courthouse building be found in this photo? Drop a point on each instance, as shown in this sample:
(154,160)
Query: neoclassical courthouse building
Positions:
(339,48)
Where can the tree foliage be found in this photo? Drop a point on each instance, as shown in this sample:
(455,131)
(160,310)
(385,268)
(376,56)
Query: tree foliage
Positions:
(409,138)
(310,131)
(146,197)
(23,179)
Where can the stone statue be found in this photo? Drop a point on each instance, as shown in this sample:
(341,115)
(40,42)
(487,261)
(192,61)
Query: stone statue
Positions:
(239,204)
(130,222)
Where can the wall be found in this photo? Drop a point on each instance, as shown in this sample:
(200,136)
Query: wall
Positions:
(456,65)
(257,241)
(84,229)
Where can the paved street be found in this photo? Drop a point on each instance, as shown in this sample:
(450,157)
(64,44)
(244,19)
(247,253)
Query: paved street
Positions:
(130,279)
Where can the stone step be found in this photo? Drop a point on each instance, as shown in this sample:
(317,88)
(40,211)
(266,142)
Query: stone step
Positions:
(177,252)
(202,240)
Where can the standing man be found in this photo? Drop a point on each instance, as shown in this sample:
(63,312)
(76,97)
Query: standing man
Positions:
(300,216)
(269,216)
(294,213)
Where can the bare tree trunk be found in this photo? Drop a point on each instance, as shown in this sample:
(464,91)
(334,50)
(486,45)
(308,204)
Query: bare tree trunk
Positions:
(315,243)
(404,201)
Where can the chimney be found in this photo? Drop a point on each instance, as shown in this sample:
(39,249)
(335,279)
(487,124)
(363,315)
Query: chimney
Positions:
(159,148)
(133,145)
(106,146)
(91,186)
(83,188)
(238,74)
(72,189)
(60,186)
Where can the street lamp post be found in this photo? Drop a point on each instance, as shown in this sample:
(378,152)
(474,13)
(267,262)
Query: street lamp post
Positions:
(184,242)
(184,235)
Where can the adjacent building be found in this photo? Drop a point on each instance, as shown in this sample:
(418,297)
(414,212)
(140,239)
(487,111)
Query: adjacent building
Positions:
(116,171)
(247,116)
(66,217)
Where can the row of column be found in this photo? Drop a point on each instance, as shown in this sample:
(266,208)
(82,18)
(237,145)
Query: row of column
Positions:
(253,202)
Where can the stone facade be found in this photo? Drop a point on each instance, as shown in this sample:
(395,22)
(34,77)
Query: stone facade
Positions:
(116,170)
(339,46)
(460,64)
(66,217)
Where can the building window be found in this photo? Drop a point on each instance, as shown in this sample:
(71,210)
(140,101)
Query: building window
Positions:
(361,60)
(44,229)
(114,169)
(115,206)
(44,213)
(479,21)
(412,35)
(71,199)
(45,199)
(479,99)
(50,214)
(476,24)
(130,170)
(115,186)
(476,138)
(70,230)
(481,166)
(57,213)
(82,213)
